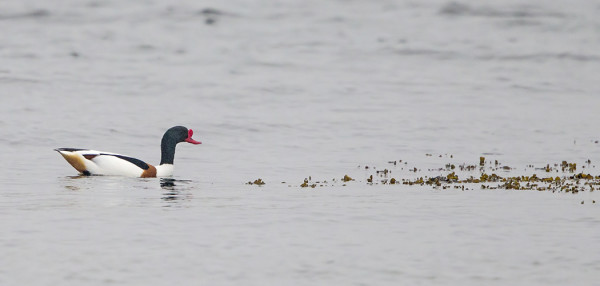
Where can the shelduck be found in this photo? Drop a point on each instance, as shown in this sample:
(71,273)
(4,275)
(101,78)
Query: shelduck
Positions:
(91,162)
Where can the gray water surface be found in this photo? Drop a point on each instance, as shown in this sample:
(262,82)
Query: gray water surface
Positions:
(286,90)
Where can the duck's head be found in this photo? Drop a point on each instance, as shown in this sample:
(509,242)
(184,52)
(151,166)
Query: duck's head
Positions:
(180,134)
(172,137)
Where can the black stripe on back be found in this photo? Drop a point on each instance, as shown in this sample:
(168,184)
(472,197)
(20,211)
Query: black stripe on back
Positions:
(69,149)
(134,161)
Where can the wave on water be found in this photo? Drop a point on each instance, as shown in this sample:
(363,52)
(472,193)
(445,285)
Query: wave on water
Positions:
(34,14)
(17,80)
(210,16)
(543,57)
(521,11)
(534,57)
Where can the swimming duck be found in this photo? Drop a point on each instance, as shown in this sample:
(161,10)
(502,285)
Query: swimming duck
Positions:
(91,162)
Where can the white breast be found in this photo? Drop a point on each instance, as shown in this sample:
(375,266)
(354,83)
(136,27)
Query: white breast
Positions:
(164,170)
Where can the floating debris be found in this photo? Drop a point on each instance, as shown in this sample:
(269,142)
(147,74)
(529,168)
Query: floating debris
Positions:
(465,167)
(305,184)
(571,167)
(559,177)
(258,181)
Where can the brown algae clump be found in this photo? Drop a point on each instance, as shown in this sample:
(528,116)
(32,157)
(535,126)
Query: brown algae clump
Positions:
(258,181)
(347,178)
(571,167)
(452,177)
(305,184)
(482,175)
(573,183)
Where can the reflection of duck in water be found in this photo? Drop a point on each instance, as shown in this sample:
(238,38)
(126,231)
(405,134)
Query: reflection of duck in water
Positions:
(90,162)
(167,183)
(174,191)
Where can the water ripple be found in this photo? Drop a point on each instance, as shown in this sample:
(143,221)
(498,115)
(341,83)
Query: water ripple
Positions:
(535,57)
(522,11)
(34,14)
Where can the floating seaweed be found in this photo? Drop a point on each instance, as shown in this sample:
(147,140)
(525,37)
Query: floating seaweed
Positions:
(304,184)
(258,181)
(487,175)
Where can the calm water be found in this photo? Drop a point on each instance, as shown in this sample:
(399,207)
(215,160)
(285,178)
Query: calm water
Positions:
(286,90)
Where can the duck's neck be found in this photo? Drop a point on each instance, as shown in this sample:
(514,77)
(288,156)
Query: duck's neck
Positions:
(167,148)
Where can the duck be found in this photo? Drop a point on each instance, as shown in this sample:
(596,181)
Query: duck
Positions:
(91,162)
